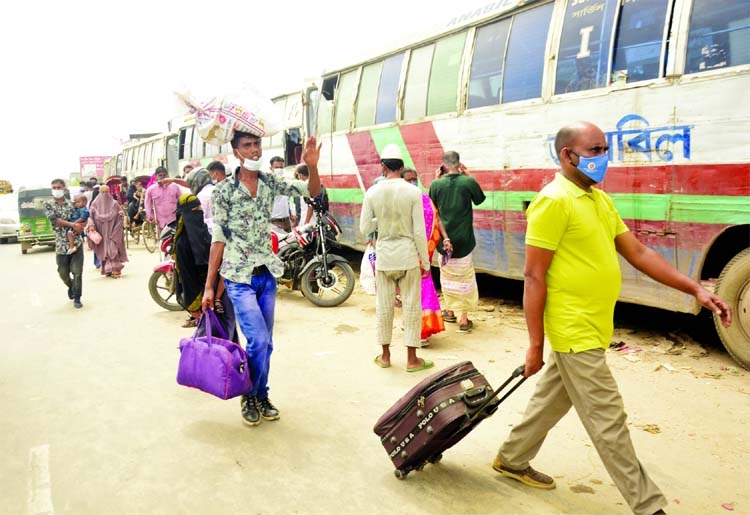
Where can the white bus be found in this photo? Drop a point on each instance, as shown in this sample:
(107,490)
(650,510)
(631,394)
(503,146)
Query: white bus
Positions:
(667,80)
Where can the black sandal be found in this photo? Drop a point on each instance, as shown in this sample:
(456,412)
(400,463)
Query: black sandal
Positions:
(448,318)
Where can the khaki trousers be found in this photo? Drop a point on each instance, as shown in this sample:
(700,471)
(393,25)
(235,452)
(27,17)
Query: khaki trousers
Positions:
(409,283)
(584,380)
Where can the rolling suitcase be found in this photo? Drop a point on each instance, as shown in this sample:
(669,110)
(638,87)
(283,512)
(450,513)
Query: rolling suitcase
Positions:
(437,413)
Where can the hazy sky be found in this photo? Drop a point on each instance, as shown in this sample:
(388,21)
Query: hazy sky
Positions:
(79,76)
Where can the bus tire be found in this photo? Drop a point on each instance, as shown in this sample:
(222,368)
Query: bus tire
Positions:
(733,286)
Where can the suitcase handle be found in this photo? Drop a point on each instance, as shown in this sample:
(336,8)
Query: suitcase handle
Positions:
(516,373)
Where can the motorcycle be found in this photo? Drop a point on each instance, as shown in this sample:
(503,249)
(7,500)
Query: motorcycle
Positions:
(161,284)
(324,278)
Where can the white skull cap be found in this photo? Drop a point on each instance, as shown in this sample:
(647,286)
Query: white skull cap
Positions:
(391,151)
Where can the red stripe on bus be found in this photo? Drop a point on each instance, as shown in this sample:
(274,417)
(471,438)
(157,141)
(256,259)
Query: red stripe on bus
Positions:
(424,148)
(341,181)
(731,179)
(365,156)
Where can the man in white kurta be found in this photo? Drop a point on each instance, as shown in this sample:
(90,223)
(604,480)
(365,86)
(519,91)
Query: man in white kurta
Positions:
(393,208)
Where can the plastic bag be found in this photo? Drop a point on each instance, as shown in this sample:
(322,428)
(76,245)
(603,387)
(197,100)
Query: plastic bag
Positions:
(245,110)
(367,270)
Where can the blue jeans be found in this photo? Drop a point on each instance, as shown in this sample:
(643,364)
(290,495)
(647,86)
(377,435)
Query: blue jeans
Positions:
(254,306)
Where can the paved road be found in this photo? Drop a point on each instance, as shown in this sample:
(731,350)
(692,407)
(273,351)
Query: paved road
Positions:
(93,421)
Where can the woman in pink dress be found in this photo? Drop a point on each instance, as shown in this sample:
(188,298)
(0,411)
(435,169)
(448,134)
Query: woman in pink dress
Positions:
(432,318)
(107,220)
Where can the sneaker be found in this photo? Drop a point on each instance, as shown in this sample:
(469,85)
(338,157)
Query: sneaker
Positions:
(77,303)
(527,476)
(267,410)
(70,293)
(250,413)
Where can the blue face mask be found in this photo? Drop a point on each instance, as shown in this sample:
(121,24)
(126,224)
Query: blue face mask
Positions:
(595,168)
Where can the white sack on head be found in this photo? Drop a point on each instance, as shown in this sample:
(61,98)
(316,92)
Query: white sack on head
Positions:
(245,110)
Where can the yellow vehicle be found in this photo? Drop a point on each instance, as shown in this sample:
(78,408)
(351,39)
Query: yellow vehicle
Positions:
(5,187)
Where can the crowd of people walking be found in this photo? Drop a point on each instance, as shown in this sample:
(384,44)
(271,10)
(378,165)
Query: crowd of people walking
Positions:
(225,263)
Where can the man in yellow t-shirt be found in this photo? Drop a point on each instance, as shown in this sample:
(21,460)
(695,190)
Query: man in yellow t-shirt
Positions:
(572,281)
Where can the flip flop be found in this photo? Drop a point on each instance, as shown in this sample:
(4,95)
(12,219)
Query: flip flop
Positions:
(466,328)
(448,318)
(380,363)
(426,363)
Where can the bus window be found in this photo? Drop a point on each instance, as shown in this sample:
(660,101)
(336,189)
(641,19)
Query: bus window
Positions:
(639,40)
(487,64)
(188,144)
(158,158)
(198,151)
(524,65)
(417,78)
(367,98)
(719,35)
(345,100)
(325,113)
(275,140)
(584,46)
(388,91)
(446,67)
(181,144)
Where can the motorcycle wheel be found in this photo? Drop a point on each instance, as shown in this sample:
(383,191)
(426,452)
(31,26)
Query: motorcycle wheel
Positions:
(328,291)
(161,288)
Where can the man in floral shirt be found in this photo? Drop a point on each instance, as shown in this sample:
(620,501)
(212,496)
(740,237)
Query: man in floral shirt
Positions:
(241,244)
(69,266)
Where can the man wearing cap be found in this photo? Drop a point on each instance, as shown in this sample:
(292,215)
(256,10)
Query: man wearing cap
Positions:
(394,210)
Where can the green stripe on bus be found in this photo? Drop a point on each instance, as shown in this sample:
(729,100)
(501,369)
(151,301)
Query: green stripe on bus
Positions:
(345,195)
(382,137)
(709,209)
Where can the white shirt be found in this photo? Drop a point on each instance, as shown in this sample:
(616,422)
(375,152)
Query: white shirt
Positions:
(204,195)
(394,208)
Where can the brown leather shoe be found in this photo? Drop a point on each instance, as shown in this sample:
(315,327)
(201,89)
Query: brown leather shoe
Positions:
(527,476)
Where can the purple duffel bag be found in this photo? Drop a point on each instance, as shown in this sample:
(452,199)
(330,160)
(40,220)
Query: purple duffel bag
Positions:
(213,364)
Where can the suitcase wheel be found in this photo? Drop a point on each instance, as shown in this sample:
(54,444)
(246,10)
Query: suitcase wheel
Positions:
(436,458)
(400,474)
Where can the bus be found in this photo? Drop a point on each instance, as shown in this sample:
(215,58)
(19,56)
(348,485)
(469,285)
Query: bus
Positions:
(140,156)
(667,80)
(297,119)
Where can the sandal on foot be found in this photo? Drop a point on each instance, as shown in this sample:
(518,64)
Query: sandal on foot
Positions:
(190,322)
(380,363)
(467,327)
(426,363)
(448,318)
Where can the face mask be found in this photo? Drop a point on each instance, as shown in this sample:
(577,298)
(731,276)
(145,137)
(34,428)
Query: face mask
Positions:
(253,166)
(58,193)
(595,168)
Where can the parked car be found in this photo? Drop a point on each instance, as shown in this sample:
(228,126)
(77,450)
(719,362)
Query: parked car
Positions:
(8,229)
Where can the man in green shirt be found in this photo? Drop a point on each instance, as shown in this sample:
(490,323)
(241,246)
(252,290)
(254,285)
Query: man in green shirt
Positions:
(572,281)
(453,194)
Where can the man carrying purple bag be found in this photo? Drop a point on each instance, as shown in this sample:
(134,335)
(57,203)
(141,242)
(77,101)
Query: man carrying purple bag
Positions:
(241,245)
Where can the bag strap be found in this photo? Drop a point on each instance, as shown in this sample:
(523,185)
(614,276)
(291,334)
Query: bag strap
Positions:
(206,319)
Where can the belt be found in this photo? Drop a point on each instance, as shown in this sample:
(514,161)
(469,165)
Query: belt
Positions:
(258,270)
(280,219)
